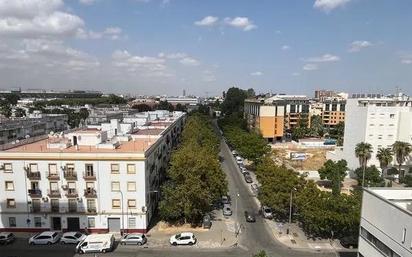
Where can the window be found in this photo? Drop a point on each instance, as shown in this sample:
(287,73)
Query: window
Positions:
(8,168)
(11,203)
(55,207)
(131,186)
(392,116)
(71,185)
(91,205)
(54,186)
(33,167)
(132,222)
(89,170)
(37,222)
(12,222)
(131,203)
(90,185)
(9,186)
(377,243)
(70,167)
(115,203)
(91,222)
(115,168)
(53,169)
(115,186)
(131,169)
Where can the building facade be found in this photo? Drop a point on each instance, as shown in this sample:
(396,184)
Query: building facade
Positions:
(389,232)
(275,116)
(377,121)
(333,112)
(86,180)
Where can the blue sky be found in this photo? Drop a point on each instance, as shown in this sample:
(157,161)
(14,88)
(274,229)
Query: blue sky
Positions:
(163,47)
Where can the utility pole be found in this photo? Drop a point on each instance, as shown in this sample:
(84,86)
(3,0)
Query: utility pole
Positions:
(122,229)
(237,222)
(290,211)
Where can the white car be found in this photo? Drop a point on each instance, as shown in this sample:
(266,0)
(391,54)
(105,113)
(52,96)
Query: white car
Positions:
(239,160)
(133,239)
(185,238)
(234,153)
(45,238)
(72,238)
(267,212)
(96,243)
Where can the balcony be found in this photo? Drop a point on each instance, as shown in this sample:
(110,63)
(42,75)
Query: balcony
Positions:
(72,193)
(90,193)
(35,193)
(53,176)
(33,175)
(35,209)
(70,175)
(92,210)
(54,193)
(90,176)
(72,208)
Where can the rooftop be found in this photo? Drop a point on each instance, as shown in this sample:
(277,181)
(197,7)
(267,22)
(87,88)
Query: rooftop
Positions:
(400,197)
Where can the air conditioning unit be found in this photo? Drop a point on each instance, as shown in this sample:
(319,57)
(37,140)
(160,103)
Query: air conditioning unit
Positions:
(65,187)
(45,199)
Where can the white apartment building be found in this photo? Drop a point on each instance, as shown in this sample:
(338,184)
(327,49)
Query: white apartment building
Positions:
(377,121)
(84,179)
(386,223)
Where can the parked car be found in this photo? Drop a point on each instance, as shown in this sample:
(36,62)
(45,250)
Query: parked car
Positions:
(133,239)
(207,221)
(185,238)
(246,173)
(6,238)
(255,188)
(248,179)
(227,211)
(349,242)
(72,238)
(45,238)
(226,199)
(96,243)
(239,160)
(250,217)
(243,169)
(267,212)
(234,153)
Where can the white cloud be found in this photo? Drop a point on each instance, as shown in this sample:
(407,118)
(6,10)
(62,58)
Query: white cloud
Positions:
(406,58)
(207,21)
(285,47)
(256,73)
(112,33)
(356,46)
(329,5)
(310,67)
(189,61)
(36,18)
(87,2)
(324,58)
(241,23)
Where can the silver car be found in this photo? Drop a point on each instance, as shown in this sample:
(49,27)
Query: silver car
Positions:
(6,238)
(133,239)
(72,238)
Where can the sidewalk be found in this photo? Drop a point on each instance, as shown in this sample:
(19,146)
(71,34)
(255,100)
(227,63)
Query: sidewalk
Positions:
(220,235)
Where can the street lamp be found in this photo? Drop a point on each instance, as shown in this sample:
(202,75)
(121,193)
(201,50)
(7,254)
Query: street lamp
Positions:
(237,222)
(290,210)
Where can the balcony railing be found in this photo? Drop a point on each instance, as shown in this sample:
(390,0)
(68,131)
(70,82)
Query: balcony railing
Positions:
(54,193)
(89,176)
(53,176)
(33,175)
(70,175)
(35,193)
(55,208)
(71,192)
(90,193)
(35,208)
(92,210)
(72,208)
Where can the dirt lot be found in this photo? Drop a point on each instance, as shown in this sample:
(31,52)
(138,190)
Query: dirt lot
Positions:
(315,158)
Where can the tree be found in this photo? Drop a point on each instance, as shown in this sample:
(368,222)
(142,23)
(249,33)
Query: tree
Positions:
(165,105)
(316,126)
(371,176)
(337,133)
(5,109)
(385,157)
(12,98)
(19,112)
(261,253)
(234,101)
(363,152)
(180,108)
(142,107)
(401,151)
(250,92)
(335,172)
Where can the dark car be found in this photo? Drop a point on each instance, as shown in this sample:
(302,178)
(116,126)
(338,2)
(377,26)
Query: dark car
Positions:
(349,242)
(6,238)
(226,199)
(250,217)
(207,221)
(248,179)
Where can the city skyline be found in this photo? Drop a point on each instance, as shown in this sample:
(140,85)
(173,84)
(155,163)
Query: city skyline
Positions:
(165,46)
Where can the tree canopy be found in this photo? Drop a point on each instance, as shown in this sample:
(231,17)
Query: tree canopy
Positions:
(234,100)
(335,172)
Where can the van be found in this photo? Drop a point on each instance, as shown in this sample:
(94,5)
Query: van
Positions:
(96,243)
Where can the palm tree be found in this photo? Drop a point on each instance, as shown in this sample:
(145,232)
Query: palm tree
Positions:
(401,150)
(385,157)
(363,152)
